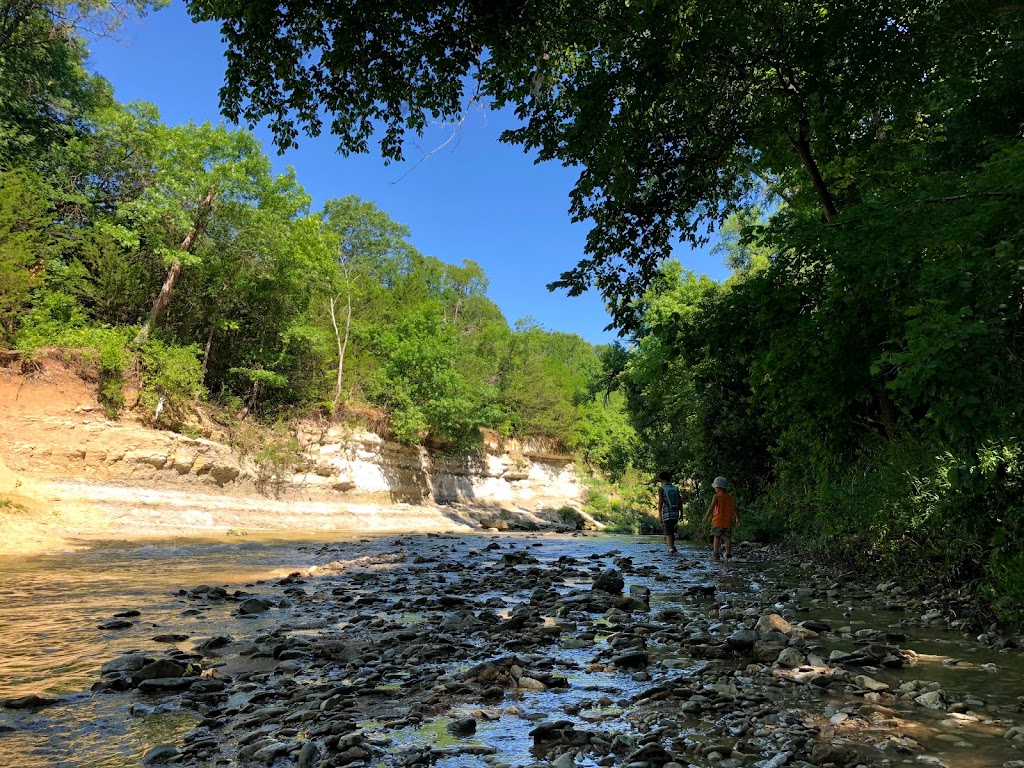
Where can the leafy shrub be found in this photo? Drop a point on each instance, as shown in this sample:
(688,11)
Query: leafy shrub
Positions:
(171,374)
(571,517)
(276,461)
(936,517)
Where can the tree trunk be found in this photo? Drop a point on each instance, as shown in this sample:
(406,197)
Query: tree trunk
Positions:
(341,342)
(206,351)
(888,413)
(164,297)
(803,150)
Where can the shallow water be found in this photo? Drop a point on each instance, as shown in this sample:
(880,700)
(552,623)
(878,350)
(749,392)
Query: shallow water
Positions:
(53,605)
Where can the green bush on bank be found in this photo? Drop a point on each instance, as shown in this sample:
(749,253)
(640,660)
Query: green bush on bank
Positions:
(173,374)
(931,518)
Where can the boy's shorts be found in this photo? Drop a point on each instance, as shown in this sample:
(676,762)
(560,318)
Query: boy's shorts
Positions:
(725,533)
(670,526)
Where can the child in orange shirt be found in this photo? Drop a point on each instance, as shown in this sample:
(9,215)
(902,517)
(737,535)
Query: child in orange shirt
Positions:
(723,516)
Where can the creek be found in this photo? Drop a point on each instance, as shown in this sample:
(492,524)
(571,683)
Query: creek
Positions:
(523,599)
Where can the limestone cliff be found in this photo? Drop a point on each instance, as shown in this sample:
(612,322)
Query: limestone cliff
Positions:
(53,431)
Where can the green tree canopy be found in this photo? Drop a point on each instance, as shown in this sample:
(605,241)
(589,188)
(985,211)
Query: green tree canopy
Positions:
(672,110)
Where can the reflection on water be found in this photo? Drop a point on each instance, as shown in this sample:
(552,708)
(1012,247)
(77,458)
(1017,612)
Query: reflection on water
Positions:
(52,645)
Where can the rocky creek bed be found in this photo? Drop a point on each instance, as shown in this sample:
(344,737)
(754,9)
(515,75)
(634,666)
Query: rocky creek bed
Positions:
(478,650)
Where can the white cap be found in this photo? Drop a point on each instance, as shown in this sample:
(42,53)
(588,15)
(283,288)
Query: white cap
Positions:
(720,482)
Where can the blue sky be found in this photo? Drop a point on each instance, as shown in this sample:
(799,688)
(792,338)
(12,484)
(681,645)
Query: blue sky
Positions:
(473,199)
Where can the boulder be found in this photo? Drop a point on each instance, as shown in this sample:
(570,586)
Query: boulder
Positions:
(32,701)
(742,639)
(253,606)
(161,668)
(309,755)
(116,624)
(870,684)
(463,726)
(166,684)
(161,753)
(790,658)
(635,658)
(932,700)
(767,652)
(609,581)
(773,622)
(835,753)
(130,662)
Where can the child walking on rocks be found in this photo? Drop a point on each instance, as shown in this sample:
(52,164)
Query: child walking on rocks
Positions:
(723,516)
(669,504)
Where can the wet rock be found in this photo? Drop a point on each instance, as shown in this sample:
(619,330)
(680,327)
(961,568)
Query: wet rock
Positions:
(269,753)
(652,753)
(790,658)
(217,641)
(932,700)
(512,559)
(565,760)
(767,651)
(701,590)
(116,624)
(130,662)
(530,684)
(253,606)
(32,701)
(170,638)
(609,581)
(870,684)
(816,626)
(161,668)
(640,592)
(161,753)
(835,753)
(131,614)
(635,658)
(743,639)
(549,730)
(464,726)
(773,622)
(309,755)
(165,684)
(460,621)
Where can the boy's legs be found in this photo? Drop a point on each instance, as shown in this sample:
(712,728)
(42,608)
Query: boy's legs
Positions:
(728,544)
(670,534)
(716,542)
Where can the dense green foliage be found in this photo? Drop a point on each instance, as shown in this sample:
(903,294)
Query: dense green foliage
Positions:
(190,270)
(860,377)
